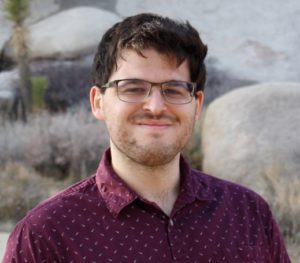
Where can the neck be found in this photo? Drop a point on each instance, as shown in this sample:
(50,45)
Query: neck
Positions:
(159,184)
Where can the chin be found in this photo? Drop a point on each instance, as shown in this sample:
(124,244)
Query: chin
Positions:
(154,154)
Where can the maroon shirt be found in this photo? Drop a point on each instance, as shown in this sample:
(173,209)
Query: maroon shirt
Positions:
(101,220)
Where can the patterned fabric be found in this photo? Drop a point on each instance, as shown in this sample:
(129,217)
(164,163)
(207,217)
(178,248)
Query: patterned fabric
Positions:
(101,220)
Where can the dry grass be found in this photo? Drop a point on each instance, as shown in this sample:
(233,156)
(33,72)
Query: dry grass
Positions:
(21,188)
(55,145)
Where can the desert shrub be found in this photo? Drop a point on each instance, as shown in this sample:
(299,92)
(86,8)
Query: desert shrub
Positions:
(67,144)
(39,85)
(21,188)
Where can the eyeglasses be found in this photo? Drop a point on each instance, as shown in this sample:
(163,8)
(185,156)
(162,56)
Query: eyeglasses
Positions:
(136,90)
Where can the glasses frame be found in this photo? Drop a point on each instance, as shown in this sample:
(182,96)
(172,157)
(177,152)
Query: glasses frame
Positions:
(114,84)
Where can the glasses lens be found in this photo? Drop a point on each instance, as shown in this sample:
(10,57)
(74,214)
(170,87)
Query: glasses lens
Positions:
(178,92)
(133,90)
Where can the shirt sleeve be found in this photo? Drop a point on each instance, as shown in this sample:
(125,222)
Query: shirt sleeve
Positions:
(25,245)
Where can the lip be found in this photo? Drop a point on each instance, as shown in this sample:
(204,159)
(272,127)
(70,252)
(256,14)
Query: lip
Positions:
(154,124)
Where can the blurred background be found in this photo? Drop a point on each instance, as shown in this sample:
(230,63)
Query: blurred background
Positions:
(249,131)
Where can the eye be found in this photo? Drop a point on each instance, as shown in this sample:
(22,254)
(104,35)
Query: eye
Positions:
(133,90)
(175,89)
(132,87)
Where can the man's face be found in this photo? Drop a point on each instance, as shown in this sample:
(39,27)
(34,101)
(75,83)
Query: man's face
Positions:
(151,132)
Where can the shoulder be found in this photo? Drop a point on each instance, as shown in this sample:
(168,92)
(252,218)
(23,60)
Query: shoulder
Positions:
(76,192)
(45,224)
(70,200)
(230,193)
(242,210)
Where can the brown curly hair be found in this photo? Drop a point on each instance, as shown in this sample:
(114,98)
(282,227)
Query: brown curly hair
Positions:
(176,39)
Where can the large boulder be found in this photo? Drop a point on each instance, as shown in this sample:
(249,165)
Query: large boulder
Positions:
(68,34)
(255,40)
(38,10)
(251,135)
(8,80)
(41,9)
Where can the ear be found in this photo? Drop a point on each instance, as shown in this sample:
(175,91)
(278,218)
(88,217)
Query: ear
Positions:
(96,102)
(199,103)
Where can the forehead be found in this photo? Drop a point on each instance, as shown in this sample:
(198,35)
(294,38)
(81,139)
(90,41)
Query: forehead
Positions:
(150,64)
(127,54)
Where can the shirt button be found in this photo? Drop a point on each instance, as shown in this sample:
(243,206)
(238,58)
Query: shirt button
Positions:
(171,222)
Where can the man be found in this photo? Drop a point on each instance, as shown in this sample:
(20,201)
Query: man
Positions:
(145,204)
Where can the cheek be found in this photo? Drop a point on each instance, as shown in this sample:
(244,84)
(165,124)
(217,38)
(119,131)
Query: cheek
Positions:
(115,121)
(190,121)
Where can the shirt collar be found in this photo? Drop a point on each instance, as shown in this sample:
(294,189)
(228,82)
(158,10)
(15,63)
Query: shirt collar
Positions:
(112,188)
(193,185)
(117,194)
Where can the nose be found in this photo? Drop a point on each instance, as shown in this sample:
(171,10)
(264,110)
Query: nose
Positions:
(155,102)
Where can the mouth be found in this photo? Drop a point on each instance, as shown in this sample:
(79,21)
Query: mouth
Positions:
(154,124)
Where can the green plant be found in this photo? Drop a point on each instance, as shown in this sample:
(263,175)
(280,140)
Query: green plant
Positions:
(39,85)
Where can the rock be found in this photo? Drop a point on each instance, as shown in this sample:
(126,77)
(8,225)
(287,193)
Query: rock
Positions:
(8,79)
(103,4)
(251,135)
(219,82)
(8,85)
(41,9)
(5,27)
(68,34)
(253,40)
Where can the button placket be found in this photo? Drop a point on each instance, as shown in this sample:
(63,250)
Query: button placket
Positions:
(177,250)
